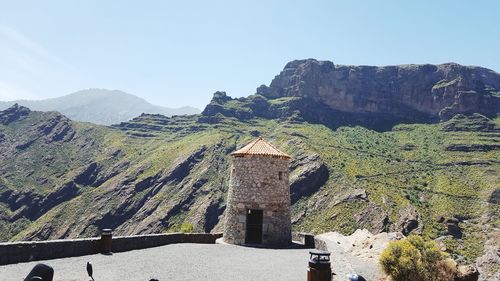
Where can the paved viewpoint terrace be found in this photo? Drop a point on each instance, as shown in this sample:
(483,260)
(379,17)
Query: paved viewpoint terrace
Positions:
(177,262)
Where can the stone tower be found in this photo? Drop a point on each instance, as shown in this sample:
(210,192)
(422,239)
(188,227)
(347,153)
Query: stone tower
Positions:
(258,205)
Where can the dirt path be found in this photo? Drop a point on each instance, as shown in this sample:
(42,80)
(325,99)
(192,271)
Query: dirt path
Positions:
(357,253)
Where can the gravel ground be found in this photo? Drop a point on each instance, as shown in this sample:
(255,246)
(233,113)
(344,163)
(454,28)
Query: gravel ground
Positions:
(178,262)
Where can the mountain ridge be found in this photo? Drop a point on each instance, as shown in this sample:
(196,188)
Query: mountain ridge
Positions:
(100,106)
(370,96)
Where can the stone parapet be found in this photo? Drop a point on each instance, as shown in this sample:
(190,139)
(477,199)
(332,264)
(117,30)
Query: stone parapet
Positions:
(26,251)
(305,239)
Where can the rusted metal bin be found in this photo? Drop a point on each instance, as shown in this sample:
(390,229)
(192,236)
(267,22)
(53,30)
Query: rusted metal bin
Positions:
(106,239)
(319,266)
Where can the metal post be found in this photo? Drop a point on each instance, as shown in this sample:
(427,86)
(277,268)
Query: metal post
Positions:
(106,239)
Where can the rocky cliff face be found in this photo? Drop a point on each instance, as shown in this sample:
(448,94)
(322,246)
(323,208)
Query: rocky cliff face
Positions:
(429,90)
(378,97)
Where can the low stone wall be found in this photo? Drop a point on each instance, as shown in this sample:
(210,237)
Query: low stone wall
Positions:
(127,243)
(42,250)
(306,239)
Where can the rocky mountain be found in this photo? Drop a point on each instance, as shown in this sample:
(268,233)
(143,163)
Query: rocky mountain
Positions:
(62,178)
(99,106)
(371,96)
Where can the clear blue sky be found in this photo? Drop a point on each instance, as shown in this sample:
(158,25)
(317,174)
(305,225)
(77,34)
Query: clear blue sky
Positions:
(176,53)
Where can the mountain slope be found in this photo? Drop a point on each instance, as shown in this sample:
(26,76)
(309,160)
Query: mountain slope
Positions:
(62,178)
(68,179)
(100,106)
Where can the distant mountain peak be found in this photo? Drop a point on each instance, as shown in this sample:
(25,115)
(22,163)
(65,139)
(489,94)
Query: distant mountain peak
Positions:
(100,106)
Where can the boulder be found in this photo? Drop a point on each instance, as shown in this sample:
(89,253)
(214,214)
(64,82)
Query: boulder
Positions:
(408,220)
(373,218)
(467,273)
(453,228)
(308,174)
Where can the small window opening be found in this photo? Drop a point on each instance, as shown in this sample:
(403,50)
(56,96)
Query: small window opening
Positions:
(280,175)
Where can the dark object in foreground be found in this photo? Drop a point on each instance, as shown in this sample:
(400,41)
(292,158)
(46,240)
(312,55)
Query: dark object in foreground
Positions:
(319,266)
(40,272)
(90,271)
(355,277)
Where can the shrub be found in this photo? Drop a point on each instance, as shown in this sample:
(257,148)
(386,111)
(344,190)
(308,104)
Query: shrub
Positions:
(187,227)
(416,259)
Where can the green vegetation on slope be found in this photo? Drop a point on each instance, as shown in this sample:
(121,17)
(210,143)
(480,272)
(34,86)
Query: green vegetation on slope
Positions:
(156,174)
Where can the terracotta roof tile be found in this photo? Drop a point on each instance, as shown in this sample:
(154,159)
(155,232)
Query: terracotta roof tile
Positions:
(260,147)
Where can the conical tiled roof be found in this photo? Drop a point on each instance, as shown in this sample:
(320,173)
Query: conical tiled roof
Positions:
(259,147)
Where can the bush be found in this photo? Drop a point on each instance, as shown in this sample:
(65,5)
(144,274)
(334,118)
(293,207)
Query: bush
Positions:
(416,259)
(187,227)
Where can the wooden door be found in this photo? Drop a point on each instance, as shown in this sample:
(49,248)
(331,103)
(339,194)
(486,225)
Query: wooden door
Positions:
(254,227)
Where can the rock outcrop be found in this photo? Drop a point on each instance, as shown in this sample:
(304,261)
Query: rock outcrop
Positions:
(475,122)
(408,220)
(13,113)
(376,97)
(309,173)
(487,264)
(356,253)
(467,273)
(428,90)
(453,228)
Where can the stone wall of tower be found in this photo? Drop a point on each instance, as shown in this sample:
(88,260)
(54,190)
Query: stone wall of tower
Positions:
(255,184)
